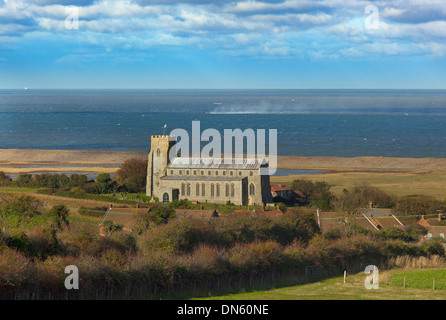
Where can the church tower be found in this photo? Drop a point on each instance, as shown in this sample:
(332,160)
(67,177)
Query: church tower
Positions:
(158,161)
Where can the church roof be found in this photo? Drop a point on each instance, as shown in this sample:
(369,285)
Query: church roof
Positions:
(202,178)
(209,163)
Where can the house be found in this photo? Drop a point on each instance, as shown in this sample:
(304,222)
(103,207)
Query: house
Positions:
(127,217)
(372,219)
(196,214)
(282,192)
(273,213)
(436,226)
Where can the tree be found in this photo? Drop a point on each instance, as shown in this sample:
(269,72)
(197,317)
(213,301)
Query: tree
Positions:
(133,175)
(59,216)
(317,194)
(161,214)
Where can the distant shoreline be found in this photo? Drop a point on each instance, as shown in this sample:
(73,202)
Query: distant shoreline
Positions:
(107,161)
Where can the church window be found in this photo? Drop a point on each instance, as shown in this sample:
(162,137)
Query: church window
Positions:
(251,189)
(203,189)
(218,189)
(212,190)
(188,189)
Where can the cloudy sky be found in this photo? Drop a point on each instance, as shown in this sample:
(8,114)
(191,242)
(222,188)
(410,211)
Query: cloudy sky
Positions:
(223,44)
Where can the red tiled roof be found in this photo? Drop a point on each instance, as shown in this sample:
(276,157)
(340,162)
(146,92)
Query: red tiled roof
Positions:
(299,193)
(279,187)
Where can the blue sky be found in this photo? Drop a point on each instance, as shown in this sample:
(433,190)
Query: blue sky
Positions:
(222,44)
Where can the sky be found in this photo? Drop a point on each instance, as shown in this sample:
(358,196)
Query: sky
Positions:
(220,44)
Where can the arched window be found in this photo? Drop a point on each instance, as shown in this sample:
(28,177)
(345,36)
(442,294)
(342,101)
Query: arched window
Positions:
(158,152)
(187,172)
(239,173)
(227,190)
(216,173)
(252,189)
(171,172)
(232,190)
(195,172)
(197,189)
(212,189)
(166,197)
(231,173)
(188,189)
(202,172)
(250,173)
(218,189)
(183,189)
(180,172)
(203,189)
(209,172)
(224,173)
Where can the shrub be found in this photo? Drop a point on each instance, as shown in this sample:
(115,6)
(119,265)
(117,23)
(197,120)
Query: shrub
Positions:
(434,247)
(133,175)
(58,216)
(18,240)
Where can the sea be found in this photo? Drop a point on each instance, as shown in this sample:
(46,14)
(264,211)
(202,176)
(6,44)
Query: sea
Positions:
(343,123)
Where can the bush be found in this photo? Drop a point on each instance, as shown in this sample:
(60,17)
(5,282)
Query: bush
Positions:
(58,216)
(434,247)
(133,175)
(317,194)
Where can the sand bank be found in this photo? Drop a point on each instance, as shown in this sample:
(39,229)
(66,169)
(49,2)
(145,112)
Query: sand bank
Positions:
(72,160)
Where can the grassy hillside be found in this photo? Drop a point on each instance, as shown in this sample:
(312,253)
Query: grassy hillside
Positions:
(418,287)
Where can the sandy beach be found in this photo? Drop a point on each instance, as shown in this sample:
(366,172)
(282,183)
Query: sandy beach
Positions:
(14,161)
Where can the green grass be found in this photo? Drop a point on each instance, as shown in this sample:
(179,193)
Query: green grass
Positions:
(390,288)
(18,189)
(423,279)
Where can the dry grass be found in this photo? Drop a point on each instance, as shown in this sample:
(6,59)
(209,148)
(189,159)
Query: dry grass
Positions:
(407,262)
(430,183)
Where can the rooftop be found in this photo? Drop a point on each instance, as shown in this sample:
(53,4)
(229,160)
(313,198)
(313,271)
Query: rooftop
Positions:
(219,163)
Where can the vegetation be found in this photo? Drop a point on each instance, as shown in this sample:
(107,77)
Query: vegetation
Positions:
(166,256)
(133,175)
(176,257)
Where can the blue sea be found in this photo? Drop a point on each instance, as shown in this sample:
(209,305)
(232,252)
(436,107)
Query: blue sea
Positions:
(345,123)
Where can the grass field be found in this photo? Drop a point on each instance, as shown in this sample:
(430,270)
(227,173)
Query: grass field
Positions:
(430,183)
(418,287)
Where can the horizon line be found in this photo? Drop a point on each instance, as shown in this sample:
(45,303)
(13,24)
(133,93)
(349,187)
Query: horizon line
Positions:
(28,88)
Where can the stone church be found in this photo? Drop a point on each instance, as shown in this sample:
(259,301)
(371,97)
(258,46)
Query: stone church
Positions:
(194,179)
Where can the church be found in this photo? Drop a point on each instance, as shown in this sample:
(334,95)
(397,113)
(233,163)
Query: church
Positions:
(194,179)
